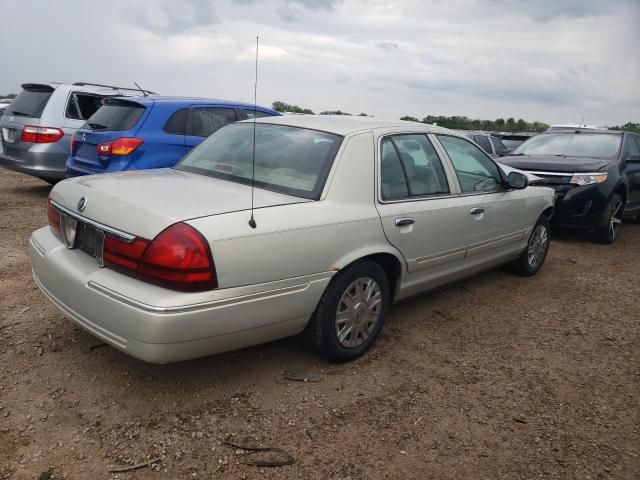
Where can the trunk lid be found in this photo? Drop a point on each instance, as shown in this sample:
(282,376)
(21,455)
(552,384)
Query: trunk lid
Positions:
(145,202)
(560,164)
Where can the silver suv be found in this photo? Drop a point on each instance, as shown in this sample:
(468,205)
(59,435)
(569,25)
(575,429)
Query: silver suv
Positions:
(38,124)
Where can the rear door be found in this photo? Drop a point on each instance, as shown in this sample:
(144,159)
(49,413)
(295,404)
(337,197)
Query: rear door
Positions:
(25,109)
(205,120)
(422,214)
(498,225)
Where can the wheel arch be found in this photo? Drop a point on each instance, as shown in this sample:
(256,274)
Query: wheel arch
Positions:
(390,259)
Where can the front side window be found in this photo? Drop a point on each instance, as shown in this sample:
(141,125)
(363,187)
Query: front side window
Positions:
(630,147)
(475,170)
(410,167)
(498,146)
(570,144)
(207,120)
(291,160)
(483,141)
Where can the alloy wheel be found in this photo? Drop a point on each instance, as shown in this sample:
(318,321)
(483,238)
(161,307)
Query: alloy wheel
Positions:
(358,312)
(537,246)
(615,220)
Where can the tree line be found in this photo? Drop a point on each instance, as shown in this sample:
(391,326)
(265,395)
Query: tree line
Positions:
(457,122)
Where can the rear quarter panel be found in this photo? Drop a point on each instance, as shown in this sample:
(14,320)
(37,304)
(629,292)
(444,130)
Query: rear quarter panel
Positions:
(307,238)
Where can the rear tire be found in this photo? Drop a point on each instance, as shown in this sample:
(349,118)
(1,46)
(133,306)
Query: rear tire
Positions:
(532,258)
(607,232)
(351,312)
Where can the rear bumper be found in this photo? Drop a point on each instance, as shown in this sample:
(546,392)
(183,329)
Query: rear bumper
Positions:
(163,326)
(41,164)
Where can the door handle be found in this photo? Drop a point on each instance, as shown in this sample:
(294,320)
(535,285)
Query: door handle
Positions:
(476,210)
(404,221)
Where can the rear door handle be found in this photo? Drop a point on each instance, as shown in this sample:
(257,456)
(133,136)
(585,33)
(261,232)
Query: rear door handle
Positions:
(476,210)
(404,221)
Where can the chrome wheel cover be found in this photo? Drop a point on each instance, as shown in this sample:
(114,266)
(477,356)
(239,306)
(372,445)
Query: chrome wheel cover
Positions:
(615,220)
(537,246)
(358,312)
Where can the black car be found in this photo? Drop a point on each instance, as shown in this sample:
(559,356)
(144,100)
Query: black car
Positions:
(595,173)
(492,145)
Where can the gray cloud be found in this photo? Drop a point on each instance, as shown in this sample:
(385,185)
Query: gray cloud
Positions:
(172,17)
(549,61)
(387,45)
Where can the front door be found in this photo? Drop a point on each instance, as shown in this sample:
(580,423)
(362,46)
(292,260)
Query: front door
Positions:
(422,214)
(632,170)
(498,226)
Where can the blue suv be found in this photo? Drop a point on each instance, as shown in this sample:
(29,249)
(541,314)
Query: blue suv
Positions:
(128,133)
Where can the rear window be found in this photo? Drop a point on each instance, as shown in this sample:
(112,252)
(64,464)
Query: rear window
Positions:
(290,160)
(116,116)
(31,102)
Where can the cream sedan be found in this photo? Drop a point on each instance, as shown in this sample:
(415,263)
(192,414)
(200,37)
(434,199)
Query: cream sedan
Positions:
(350,215)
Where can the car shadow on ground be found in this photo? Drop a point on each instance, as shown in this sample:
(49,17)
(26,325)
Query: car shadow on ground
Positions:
(34,190)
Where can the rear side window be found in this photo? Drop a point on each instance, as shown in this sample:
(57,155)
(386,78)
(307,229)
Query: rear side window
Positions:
(205,121)
(81,106)
(177,123)
(256,114)
(116,116)
(30,102)
(410,167)
(483,142)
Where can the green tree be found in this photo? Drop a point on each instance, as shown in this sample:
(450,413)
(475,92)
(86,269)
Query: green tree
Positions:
(285,107)
(409,118)
(334,112)
(511,124)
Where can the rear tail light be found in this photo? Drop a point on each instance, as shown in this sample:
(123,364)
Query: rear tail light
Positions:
(33,134)
(121,147)
(123,254)
(74,142)
(178,258)
(53,217)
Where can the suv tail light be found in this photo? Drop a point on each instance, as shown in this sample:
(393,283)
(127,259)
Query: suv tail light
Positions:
(33,134)
(178,258)
(53,218)
(121,146)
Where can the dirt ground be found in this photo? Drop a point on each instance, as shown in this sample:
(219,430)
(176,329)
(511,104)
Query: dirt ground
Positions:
(494,377)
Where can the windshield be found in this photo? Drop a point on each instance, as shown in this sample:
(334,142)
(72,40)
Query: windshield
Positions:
(290,160)
(571,145)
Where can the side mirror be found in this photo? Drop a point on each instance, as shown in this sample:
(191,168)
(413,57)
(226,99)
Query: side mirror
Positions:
(517,181)
(633,159)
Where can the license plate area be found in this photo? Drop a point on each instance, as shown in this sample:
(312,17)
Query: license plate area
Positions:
(82,236)
(9,134)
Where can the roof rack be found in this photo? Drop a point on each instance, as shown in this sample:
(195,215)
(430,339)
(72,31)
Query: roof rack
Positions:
(86,84)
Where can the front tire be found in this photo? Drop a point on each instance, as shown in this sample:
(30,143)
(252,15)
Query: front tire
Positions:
(532,258)
(351,313)
(607,232)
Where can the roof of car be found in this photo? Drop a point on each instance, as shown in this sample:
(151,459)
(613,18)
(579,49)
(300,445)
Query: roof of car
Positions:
(583,131)
(148,100)
(346,124)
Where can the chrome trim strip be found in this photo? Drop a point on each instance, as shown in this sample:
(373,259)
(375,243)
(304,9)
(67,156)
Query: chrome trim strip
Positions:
(127,237)
(559,174)
(195,306)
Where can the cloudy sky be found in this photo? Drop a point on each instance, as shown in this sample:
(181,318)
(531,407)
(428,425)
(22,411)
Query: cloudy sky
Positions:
(549,60)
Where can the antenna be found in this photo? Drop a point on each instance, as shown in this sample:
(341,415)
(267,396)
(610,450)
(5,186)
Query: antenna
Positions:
(581,122)
(252,221)
(144,92)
